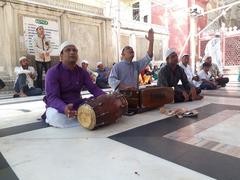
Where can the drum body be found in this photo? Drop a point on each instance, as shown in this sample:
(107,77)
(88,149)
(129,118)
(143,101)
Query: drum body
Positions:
(103,110)
(148,98)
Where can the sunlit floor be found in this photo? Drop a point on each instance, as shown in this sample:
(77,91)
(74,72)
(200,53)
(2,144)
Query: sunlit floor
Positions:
(145,146)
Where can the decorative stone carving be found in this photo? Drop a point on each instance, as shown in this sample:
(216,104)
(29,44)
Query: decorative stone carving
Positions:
(68,5)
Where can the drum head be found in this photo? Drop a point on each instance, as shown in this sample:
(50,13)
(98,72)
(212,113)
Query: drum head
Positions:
(86,116)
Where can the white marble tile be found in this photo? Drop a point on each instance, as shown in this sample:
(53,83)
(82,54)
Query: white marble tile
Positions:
(20,113)
(11,115)
(223,100)
(226,132)
(123,124)
(77,153)
(88,159)
(21,100)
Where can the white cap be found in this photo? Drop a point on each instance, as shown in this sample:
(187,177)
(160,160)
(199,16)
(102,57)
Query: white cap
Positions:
(205,57)
(39,27)
(185,55)
(169,52)
(217,34)
(22,58)
(98,63)
(85,61)
(65,44)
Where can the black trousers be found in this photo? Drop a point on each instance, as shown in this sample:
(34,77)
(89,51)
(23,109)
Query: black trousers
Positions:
(40,67)
(2,84)
(102,84)
(222,81)
(178,93)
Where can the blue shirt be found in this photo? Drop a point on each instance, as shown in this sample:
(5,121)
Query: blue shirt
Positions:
(102,74)
(63,86)
(127,72)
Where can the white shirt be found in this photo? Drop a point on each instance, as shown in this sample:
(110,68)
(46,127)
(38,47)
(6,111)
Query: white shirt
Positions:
(188,71)
(19,70)
(202,75)
(42,46)
(213,49)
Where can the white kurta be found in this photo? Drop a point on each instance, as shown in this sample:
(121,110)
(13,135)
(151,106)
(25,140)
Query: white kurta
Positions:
(213,49)
(19,70)
(202,75)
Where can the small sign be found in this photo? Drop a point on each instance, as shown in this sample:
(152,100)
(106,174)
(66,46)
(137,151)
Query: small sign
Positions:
(41,21)
(51,31)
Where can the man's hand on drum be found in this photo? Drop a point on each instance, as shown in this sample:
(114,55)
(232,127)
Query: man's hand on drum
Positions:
(69,111)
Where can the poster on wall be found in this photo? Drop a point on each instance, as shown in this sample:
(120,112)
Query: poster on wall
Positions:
(51,31)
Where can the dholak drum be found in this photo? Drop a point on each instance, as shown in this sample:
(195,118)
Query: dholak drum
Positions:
(148,98)
(103,110)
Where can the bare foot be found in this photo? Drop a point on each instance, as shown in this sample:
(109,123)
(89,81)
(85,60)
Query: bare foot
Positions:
(22,95)
(197,97)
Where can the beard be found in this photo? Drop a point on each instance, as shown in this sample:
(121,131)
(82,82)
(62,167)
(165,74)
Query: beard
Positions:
(72,61)
(25,66)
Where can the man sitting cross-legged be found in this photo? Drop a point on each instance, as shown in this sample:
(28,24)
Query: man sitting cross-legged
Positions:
(169,76)
(192,77)
(24,84)
(215,72)
(64,82)
(205,78)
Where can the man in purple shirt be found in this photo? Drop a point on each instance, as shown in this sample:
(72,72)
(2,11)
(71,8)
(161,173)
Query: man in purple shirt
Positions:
(64,82)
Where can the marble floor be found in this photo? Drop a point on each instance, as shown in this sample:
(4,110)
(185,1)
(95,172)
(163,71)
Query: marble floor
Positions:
(147,146)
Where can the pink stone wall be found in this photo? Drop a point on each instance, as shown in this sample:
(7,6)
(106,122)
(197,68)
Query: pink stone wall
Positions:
(177,20)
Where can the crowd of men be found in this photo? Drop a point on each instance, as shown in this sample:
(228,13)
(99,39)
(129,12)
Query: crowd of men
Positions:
(65,80)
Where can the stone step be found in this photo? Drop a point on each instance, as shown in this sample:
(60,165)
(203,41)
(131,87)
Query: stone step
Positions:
(9,85)
(231,70)
(5,77)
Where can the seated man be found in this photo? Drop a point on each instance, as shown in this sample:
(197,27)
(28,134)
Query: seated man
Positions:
(124,75)
(170,75)
(25,78)
(103,73)
(85,67)
(145,76)
(64,82)
(2,84)
(215,72)
(192,78)
(205,78)
(155,72)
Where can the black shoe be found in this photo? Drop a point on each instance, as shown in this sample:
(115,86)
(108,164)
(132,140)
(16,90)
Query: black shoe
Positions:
(43,116)
(16,95)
